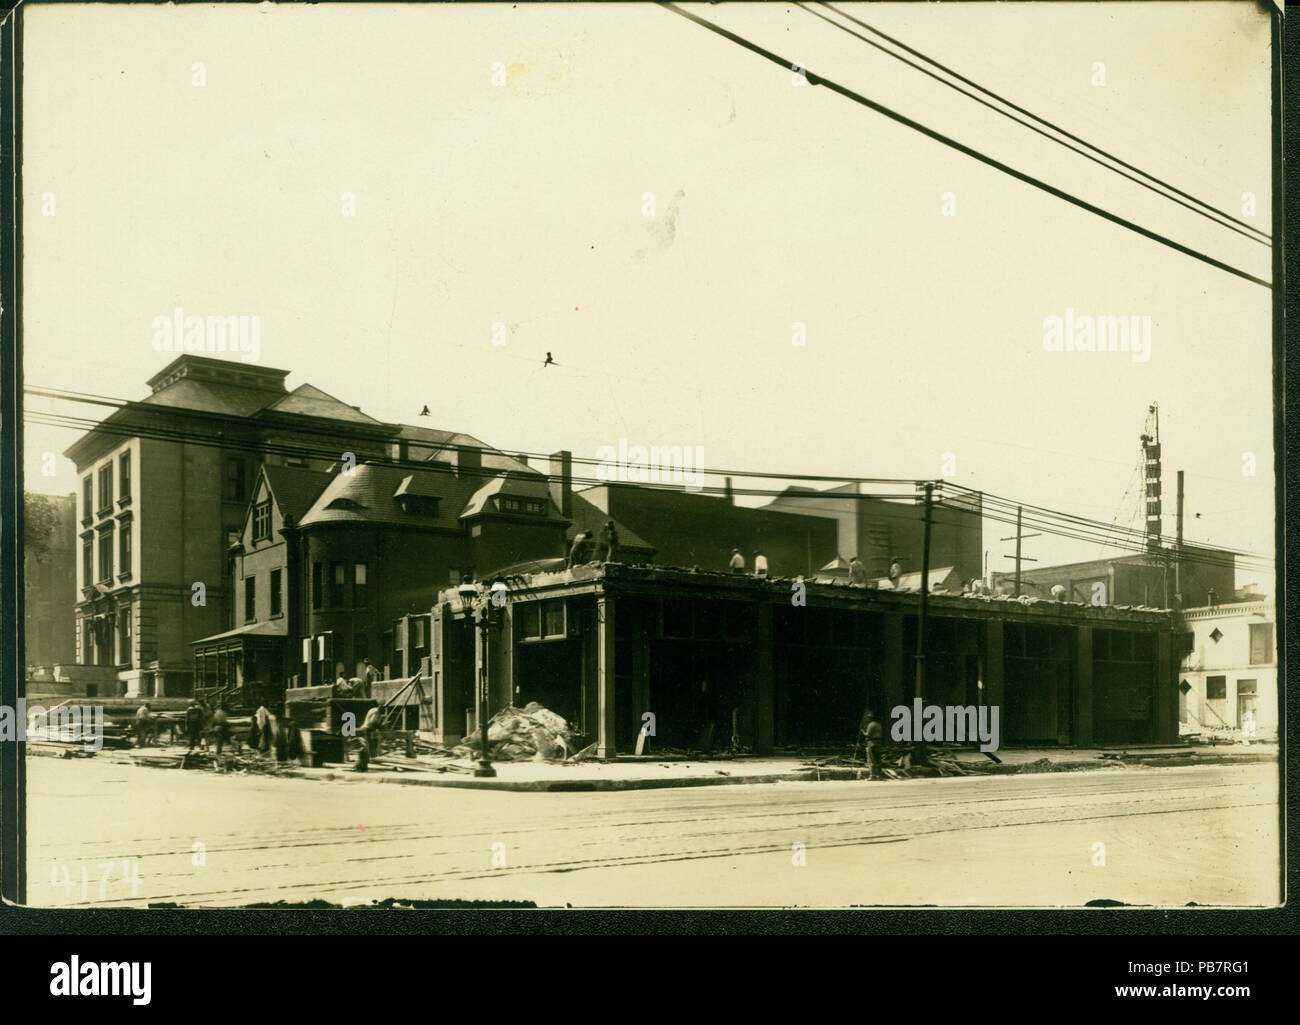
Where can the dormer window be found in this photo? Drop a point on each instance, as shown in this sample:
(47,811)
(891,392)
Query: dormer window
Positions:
(526,506)
(419,505)
(345,503)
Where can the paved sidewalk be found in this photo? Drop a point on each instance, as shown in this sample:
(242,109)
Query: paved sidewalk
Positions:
(646,773)
(651,773)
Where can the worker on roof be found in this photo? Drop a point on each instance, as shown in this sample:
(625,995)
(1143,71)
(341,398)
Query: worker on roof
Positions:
(737,561)
(760,564)
(608,542)
(369,675)
(580,552)
(857,573)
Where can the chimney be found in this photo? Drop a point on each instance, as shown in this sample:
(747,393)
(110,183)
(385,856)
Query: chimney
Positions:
(561,482)
(469,460)
(400,450)
(731,499)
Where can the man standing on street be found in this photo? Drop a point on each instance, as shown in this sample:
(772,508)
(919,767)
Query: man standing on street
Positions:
(368,734)
(144,726)
(220,729)
(262,723)
(194,723)
(874,734)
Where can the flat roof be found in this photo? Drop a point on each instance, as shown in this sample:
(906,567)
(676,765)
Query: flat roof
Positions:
(645,580)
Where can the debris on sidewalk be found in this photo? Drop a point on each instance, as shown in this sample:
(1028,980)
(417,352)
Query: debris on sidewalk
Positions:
(1040,765)
(903,763)
(531,733)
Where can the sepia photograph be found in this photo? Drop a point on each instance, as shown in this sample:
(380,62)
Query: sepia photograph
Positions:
(756,456)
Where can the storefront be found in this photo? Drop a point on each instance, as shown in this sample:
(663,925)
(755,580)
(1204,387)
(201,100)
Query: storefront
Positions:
(779,663)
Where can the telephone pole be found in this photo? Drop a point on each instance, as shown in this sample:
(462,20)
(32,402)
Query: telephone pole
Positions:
(1178,546)
(1018,537)
(925,591)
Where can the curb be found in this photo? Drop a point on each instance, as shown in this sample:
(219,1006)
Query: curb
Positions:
(815,774)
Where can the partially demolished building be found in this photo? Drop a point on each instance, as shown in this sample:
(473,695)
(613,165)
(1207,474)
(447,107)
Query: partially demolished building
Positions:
(618,650)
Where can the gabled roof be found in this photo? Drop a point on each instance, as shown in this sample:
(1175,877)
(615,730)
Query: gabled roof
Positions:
(308,400)
(294,488)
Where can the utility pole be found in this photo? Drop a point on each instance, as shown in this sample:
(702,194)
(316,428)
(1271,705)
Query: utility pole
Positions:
(1178,546)
(925,592)
(1019,515)
(1019,536)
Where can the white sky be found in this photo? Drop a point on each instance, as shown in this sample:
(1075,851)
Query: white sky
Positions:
(523,204)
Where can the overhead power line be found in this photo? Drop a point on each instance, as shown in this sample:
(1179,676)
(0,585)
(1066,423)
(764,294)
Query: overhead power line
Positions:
(1203,208)
(815,79)
(206,439)
(1060,524)
(146,408)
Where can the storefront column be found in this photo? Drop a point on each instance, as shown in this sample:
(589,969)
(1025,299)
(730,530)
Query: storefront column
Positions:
(605,746)
(1083,734)
(640,674)
(894,680)
(1166,696)
(765,695)
(995,686)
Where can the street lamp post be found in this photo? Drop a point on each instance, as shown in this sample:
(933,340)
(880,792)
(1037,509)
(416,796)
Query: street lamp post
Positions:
(483,613)
(479,606)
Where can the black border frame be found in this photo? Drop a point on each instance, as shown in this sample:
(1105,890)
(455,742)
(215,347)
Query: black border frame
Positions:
(17,919)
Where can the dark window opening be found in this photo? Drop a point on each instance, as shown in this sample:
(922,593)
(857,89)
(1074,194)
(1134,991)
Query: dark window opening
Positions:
(234,483)
(106,488)
(124,548)
(360,593)
(262,521)
(1261,643)
(106,555)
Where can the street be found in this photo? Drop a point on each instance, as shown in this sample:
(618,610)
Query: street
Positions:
(102,833)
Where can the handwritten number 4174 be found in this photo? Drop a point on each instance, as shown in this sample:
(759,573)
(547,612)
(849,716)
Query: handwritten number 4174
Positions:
(60,876)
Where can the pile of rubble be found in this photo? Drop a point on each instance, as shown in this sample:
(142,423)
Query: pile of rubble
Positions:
(911,763)
(531,733)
